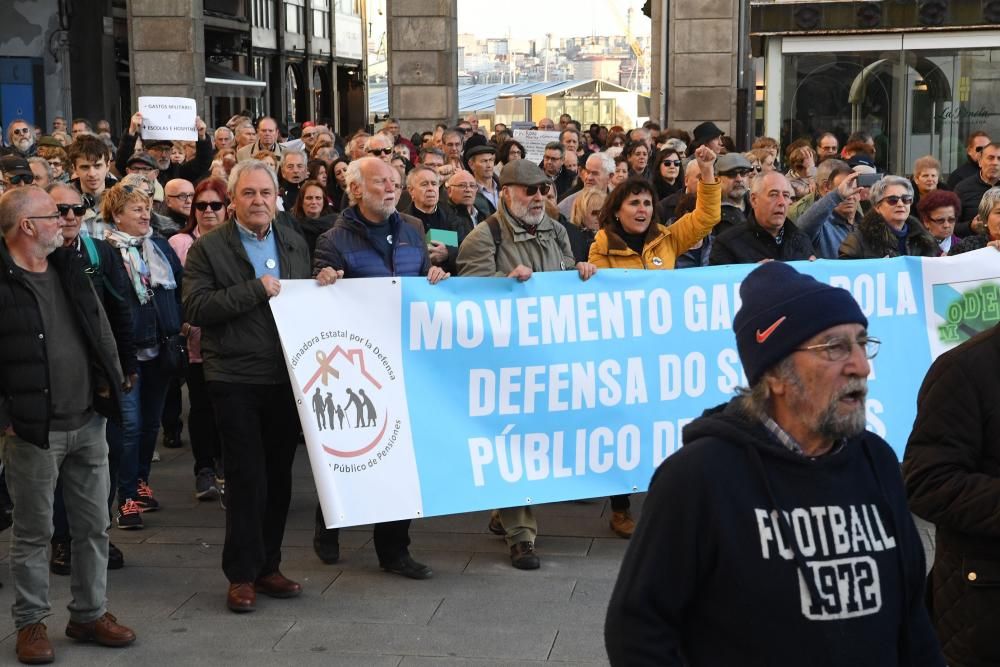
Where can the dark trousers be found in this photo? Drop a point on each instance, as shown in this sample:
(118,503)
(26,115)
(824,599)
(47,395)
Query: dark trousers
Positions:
(620,503)
(258,426)
(392,538)
(205,444)
(171,419)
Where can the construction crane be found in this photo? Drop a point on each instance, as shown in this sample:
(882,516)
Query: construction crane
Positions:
(633,43)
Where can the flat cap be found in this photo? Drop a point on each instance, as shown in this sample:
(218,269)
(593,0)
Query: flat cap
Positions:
(522,172)
(731,162)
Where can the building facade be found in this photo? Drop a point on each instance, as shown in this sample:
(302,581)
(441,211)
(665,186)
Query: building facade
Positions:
(918,76)
(292,59)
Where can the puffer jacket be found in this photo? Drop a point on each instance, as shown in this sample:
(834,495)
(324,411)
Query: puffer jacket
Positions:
(24,374)
(952,473)
(346,248)
(663,244)
(872,239)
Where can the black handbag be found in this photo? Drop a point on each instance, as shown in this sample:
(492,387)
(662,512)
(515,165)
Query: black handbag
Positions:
(173,350)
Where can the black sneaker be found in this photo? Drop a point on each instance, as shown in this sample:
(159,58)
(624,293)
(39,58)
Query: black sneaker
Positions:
(129,515)
(145,499)
(204,485)
(407,567)
(116,559)
(172,439)
(59,558)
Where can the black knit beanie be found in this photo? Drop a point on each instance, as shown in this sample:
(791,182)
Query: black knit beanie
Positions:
(781,309)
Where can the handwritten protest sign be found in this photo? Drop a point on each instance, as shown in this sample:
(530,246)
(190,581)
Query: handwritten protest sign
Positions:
(534,142)
(170,118)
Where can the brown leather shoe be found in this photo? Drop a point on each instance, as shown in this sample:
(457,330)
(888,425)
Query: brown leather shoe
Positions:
(622,524)
(106,631)
(242,597)
(277,585)
(33,645)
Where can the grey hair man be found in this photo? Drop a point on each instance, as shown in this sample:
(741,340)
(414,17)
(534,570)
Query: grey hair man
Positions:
(833,215)
(60,377)
(229,277)
(596,173)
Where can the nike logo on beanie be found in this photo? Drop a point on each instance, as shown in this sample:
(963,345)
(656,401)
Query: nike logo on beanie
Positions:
(766,333)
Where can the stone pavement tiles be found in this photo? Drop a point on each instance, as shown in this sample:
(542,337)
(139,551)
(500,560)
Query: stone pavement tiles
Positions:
(477,609)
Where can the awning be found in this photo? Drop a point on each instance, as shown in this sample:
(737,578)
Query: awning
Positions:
(223,82)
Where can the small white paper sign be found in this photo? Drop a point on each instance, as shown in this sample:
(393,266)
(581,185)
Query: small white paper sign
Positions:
(171,118)
(534,142)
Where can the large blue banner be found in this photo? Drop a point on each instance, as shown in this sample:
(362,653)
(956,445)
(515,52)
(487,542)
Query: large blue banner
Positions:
(487,392)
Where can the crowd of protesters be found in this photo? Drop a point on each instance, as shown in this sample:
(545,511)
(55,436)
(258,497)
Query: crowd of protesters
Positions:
(184,243)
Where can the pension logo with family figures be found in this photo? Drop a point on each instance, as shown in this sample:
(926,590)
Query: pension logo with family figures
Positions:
(346,402)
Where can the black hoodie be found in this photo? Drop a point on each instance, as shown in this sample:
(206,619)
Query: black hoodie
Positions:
(714,572)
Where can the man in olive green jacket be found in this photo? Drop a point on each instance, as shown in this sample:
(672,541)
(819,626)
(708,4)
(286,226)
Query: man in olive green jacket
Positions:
(514,242)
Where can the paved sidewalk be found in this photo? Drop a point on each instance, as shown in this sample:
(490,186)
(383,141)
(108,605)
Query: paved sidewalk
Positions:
(476,610)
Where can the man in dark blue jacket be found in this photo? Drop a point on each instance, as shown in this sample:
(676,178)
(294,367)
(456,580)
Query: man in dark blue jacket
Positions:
(58,376)
(781,512)
(371,240)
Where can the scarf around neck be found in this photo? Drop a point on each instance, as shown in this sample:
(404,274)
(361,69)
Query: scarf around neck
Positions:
(147,266)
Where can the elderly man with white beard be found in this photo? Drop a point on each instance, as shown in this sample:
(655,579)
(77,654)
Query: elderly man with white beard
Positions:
(514,242)
(779,495)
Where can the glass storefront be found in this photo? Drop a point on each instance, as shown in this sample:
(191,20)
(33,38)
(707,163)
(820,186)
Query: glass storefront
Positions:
(917,94)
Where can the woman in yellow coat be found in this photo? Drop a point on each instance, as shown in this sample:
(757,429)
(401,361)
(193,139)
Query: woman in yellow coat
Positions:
(631,238)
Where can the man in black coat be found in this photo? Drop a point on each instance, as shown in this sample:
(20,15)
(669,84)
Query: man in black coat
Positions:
(952,473)
(970,190)
(59,378)
(974,146)
(767,233)
(230,275)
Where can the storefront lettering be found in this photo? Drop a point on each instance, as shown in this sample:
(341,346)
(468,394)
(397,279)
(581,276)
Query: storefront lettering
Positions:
(962,113)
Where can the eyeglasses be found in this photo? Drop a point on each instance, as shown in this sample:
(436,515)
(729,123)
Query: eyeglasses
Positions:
(78,209)
(895,199)
(205,205)
(186,196)
(531,190)
(840,349)
(53,216)
(671,163)
(21,130)
(464,186)
(467,130)
(55,163)
(379,151)
(21,179)
(943,221)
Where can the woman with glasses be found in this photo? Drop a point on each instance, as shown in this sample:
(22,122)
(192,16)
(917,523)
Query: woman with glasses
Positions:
(938,211)
(208,211)
(888,230)
(667,175)
(631,237)
(511,149)
(637,155)
(154,273)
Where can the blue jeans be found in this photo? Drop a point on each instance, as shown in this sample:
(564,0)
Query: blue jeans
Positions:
(141,409)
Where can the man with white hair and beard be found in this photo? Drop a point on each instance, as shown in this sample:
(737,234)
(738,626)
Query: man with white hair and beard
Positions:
(20,139)
(779,495)
(371,240)
(514,242)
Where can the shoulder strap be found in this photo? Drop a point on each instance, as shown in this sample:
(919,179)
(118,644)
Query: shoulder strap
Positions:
(92,255)
(494,224)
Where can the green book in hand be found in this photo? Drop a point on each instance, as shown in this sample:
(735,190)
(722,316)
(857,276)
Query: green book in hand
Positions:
(445,236)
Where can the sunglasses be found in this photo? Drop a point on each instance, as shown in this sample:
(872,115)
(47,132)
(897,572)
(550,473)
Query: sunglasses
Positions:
(205,205)
(21,179)
(738,172)
(78,210)
(380,151)
(21,130)
(979,149)
(895,199)
(530,190)
(671,163)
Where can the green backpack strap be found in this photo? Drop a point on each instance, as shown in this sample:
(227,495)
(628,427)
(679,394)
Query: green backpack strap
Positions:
(95,259)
